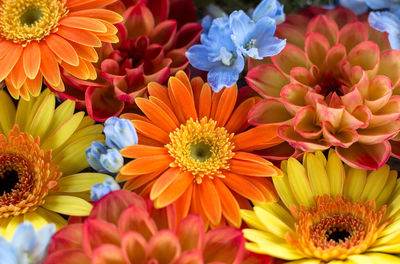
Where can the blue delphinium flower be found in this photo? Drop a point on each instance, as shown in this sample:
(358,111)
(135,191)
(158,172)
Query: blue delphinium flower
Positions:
(101,189)
(269,8)
(387,22)
(357,6)
(112,161)
(361,6)
(93,154)
(120,133)
(103,160)
(228,41)
(27,246)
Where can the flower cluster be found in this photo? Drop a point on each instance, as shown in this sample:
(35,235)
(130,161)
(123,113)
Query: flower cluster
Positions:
(114,149)
(228,41)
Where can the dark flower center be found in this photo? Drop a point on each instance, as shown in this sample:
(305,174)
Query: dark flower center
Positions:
(8,180)
(328,85)
(337,234)
(200,151)
(31,16)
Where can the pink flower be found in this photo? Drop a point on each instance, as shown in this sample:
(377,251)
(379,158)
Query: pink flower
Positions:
(124,228)
(334,85)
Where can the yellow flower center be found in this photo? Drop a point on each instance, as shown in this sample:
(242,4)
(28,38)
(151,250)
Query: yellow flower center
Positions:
(26,174)
(337,228)
(201,148)
(22,21)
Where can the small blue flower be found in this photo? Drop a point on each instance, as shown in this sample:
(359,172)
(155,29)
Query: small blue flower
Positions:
(101,189)
(27,246)
(120,133)
(255,40)
(93,154)
(387,22)
(269,8)
(112,161)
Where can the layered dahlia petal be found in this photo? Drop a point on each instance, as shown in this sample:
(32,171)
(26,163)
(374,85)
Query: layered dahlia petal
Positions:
(334,85)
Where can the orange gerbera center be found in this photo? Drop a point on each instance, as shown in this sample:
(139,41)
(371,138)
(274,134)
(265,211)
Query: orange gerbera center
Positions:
(26,174)
(337,228)
(22,21)
(201,148)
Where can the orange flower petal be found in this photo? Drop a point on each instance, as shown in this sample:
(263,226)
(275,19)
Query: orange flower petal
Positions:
(80,71)
(238,120)
(166,108)
(79,36)
(159,91)
(257,138)
(62,49)
(226,105)
(243,186)
(163,181)
(230,207)
(34,86)
(31,59)
(87,4)
(252,167)
(138,151)
(182,204)
(175,190)
(17,74)
(210,201)
(205,101)
(182,97)
(102,14)
(9,60)
(197,85)
(49,66)
(146,165)
(85,52)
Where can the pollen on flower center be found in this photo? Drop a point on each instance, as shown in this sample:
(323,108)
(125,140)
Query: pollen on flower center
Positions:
(23,21)
(337,228)
(14,173)
(202,148)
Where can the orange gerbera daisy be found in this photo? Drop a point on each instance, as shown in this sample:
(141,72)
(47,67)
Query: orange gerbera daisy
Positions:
(193,153)
(39,36)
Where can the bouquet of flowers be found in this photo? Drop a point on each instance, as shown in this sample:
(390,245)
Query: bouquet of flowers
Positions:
(191,132)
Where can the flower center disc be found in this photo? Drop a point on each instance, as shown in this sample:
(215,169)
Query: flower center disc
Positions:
(23,21)
(201,148)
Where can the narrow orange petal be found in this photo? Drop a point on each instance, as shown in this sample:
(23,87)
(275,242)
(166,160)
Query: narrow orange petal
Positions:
(79,36)
(214,103)
(243,186)
(146,165)
(197,85)
(24,93)
(266,187)
(138,151)
(175,190)
(81,71)
(195,207)
(103,14)
(162,182)
(32,59)
(34,86)
(149,141)
(9,60)
(257,138)
(166,109)
(159,91)
(85,52)
(226,105)
(62,49)
(182,97)
(17,74)
(182,204)
(49,66)
(14,92)
(156,114)
(84,23)
(250,168)
(87,4)
(133,116)
(111,38)
(137,182)
(230,207)
(91,69)
(210,201)
(238,121)
(181,75)
(205,101)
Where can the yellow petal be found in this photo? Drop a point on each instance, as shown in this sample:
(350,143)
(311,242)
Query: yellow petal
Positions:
(7,113)
(80,182)
(375,183)
(12,225)
(282,186)
(360,259)
(52,217)
(272,223)
(354,183)
(42,117)
(383,258)
(36,219)
(23,112)
(252,220)
(299,183)
(317,174)
(384,196)
(68,205)
(336,173)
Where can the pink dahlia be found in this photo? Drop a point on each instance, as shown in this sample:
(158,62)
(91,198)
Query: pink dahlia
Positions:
(334,85)
(124,228)
(152,47)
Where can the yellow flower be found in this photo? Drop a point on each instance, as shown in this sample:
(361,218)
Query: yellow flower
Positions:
(42,151)
(328,213)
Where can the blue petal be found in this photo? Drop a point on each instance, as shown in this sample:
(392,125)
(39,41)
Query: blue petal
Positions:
(272,47)
(219,36)
(223,76)
(378,4)
(8,254)
(198,58)
(112,160)
(24,238)
(93,154)
(241,26)
(387,22)
(269,8)
(99,190)
(44,235)
(206,24)
(357,6)
(120,133)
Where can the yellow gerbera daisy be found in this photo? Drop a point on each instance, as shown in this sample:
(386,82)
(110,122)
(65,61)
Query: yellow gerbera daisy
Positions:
(328,213)
(42,151)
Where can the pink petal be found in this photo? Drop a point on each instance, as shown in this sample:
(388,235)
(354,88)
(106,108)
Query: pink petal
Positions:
(352,34)
(303,76)
(352,99)
(343,137)
(279,152)
(325,26)
(329,114)
(108,254)
(389,65)
(97,232)
(164,34)
(68,256)
(294,97)
(134,248)
(137,219)
(316,48)
(379,93)
(290,57)
(387,114)
(224,244)
(138,21)
(68,237)
(190,232)
(334,57)
(160,9)
(266,80)
(261,113)
(291,33)
(379,134)
(366,55)
(287,133)
(190,257)
(370,157)
(110,207)
(164,247)
(306,124)
(342,15)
